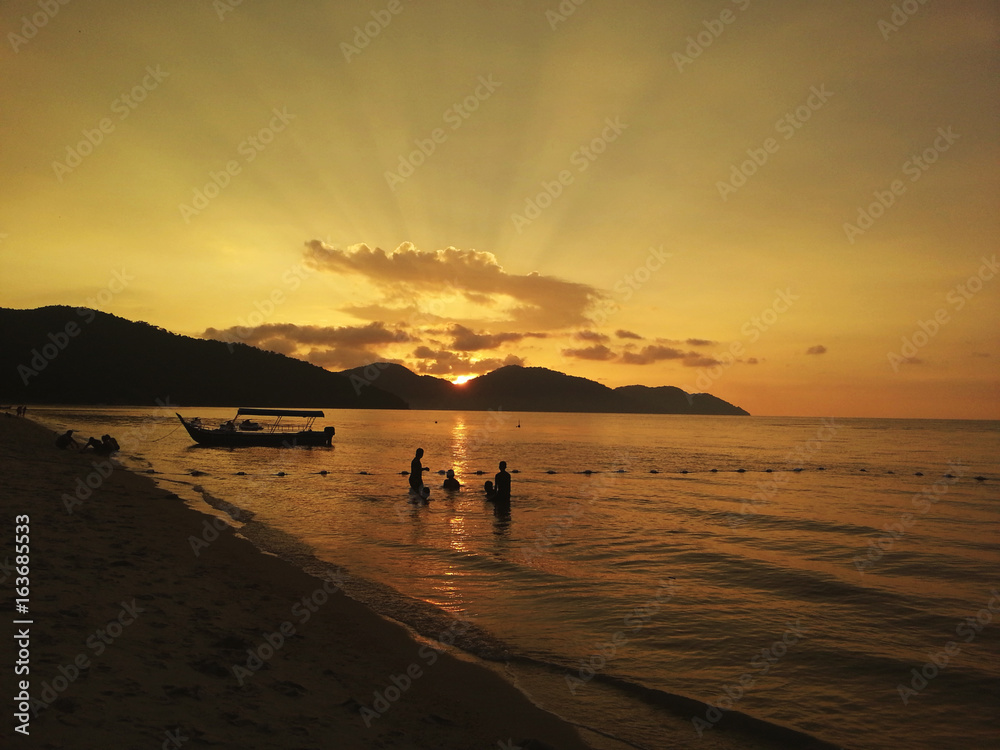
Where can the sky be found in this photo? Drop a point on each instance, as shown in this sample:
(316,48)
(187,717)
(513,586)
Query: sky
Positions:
(789,205)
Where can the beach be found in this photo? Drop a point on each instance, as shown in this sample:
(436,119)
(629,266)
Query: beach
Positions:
(149,624)
(658,581)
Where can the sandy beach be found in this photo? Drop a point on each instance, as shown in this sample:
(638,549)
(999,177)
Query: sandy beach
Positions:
(136,641)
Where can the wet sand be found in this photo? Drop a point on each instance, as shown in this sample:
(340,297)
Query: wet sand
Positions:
(138,642)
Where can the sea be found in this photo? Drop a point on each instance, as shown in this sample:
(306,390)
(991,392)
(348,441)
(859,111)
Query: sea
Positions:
(660,581)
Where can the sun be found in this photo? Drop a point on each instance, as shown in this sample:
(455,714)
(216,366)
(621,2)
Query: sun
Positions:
(462,379)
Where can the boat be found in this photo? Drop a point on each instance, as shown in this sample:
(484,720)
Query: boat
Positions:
(235,433)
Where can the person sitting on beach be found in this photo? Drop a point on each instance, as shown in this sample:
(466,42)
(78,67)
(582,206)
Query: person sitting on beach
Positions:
(66,440)
(450,483)
(417,472)
(502,483)
(491,493)
(103,447)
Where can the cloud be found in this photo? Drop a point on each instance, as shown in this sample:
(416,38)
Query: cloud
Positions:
(623,334)
(700,342)
(818,349)
(373,333)
(532,300)
(590,336)
(445,362)
(597,352)
(344,358)
(467,340)
(658,353)
(651,354)
(337,347)
(694,360)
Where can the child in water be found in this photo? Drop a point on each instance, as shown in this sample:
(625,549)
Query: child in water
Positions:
(450,483)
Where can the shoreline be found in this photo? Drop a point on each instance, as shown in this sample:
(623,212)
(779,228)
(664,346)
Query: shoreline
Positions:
(136,640)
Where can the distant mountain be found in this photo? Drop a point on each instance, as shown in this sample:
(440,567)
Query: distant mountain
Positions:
(419,391)
(516,388)
(79,356)
(668,399)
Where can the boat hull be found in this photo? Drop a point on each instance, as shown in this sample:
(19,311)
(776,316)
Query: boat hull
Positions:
(247,439)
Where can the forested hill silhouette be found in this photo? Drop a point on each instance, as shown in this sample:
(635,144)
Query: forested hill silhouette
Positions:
(74,355)
(515,388)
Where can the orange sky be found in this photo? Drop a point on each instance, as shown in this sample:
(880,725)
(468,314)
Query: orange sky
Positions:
(792,206)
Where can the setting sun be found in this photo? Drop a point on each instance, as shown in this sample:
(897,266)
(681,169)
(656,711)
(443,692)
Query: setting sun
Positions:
(462,379)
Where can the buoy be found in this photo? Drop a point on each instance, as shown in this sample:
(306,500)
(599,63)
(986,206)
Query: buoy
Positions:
(767,471)
(196,473)
(323,472)
(741,471)
(715,471)
(280,474)
(798,469)
(949,476)
(550,472)
(980,479)
(620,471)
(684,471)
(587,471)
(515,471)
(820,468)
(863,469)
(653,471)
(890,472)
(360,472)
(403,473)
(480,473)
(919,474)
(442,472)
(241,473)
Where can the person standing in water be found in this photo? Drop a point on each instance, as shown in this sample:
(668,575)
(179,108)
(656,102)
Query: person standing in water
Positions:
(417,472)
(501,483)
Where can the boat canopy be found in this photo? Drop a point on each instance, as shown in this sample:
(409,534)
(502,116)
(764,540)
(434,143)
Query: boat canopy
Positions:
(278,413)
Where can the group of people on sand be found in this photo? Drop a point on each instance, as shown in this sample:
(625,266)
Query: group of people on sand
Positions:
(103,447)
(497,491)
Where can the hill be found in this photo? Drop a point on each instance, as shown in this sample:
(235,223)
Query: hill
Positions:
(516,388)
(80,356)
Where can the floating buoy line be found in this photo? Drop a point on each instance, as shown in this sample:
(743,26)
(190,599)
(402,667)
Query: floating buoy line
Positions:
(687,473)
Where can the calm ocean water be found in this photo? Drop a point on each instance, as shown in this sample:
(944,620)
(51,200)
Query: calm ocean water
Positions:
(679,596)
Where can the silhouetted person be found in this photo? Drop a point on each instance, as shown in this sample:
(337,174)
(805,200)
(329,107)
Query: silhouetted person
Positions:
(502,483)
(417,472)
(491,493)
(104,447)
(450,483)
(66,440)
